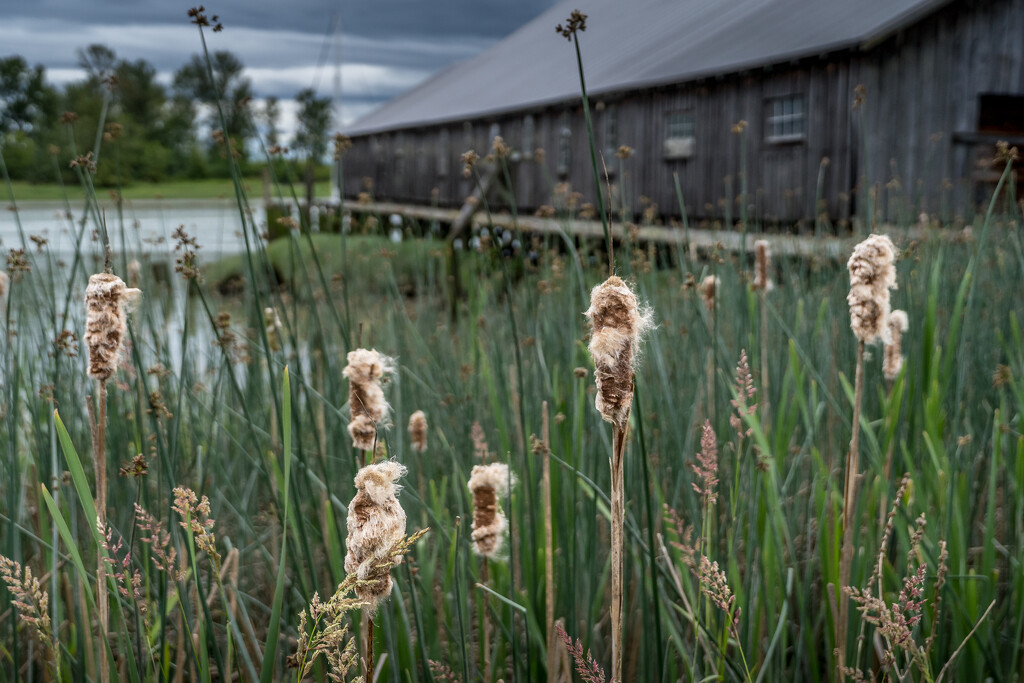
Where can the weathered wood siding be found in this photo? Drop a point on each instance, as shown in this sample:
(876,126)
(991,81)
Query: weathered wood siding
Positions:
(896,155)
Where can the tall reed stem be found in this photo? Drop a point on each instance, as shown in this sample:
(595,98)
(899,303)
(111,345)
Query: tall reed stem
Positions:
(549,557)
(99,449)
(618,506)
(849,501)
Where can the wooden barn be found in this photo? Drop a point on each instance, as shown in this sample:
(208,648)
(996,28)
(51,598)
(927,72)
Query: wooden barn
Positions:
(851,107)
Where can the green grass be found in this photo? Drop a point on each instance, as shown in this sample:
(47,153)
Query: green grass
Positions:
(211,188)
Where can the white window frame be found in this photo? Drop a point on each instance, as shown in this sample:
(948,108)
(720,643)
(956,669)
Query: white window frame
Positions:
(785,118)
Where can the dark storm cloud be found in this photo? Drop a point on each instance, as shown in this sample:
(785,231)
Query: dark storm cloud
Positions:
(392,19)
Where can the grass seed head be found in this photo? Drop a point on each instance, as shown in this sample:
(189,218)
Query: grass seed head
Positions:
(107,302)
(872,274)
(365,370)
(376,522)
(489,484)
(617,324)
(418,431)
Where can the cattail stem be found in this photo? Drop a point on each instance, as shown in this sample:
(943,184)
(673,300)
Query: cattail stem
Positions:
(485,629)
(764,357)
(849,500)
(617,511)
(549,558)
(99,434)
(369,648)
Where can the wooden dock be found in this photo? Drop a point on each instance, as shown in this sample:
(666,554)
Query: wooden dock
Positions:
(781,244)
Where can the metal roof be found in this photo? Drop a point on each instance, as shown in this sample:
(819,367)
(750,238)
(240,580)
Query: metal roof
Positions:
(635,43)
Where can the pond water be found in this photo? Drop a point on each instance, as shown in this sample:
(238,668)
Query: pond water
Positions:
(145,225)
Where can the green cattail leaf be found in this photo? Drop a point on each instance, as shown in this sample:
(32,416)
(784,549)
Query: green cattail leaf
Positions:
(77,474)
(270,649)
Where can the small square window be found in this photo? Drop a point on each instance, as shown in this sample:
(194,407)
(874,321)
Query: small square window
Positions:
(786,120)
(679,135)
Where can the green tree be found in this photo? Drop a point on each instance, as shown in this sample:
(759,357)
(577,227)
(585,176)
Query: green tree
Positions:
(314,120)
(230,88)
(26,100)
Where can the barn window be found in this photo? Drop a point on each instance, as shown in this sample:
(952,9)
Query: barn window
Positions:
(1000,113)
(679,138)
(444,144)
(564,145)
(786,120)
(528,130)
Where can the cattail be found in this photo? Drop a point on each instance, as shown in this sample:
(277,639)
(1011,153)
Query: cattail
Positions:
(273,324)
(762,263)
(617,323)
(5,283)
(376,522)
(364,371)
(418,431)
(489,484)
(708,288)
(893,362)
(872,275)
(107,301)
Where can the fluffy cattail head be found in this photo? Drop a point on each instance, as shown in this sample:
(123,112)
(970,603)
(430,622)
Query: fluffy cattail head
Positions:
(376,522)
(893,362)
(107,301)
(489,484)
(5,283)
(708,289)
(872,274)
(134,272)
(617,323)
(364,371)
(418,431)
(762,264)
(273,324)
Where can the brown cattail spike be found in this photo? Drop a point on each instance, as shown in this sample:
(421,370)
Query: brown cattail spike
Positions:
(893,362)
(872,275)
(376,522)
(5,283)
(617,323)
(364,371)
(762,265)
(489,484)
(708,289)
(418,431)
(107,301)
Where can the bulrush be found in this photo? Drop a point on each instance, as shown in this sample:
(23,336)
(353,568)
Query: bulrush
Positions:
(418,431)
(489,484)
(364,371)
(893,361)
(107,301)
(872,275)
(376,522)
(617,324)
(708,289)
(762,264)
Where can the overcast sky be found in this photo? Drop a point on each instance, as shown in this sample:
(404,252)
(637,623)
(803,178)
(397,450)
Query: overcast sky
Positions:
(385,46)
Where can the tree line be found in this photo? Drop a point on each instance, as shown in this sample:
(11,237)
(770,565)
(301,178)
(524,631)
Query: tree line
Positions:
(151,132)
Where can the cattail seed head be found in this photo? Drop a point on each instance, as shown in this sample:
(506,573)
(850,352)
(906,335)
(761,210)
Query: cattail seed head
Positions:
(893,361)
(708,289)
(872,274)
(272,321)
(134,272)
(418,431)
(5,283)
(364,371)
(376,522)
(489,484)
(762,264)
(107,302)
(617,323)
